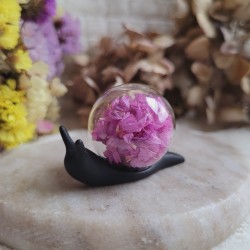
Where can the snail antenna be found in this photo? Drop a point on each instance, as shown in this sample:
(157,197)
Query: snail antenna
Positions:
(69,144)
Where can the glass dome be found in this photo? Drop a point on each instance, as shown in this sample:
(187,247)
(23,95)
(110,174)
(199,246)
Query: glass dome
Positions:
(131,125)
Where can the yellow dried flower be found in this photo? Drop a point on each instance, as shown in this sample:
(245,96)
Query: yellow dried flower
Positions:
(23,1)
(14,127)
(38,99)
(40,69)
(53,111)
(11,83)
(41,95)
(57,88)
(20,60)
(8,36)
(10,13)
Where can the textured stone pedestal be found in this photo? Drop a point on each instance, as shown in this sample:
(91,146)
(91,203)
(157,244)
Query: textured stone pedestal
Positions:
(195,205)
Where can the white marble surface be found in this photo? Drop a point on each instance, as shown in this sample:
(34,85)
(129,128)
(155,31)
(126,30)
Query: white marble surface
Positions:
(193,206)
(240,139)
(2,247)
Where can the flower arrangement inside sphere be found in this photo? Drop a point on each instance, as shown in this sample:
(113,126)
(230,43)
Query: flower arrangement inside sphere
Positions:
(132,125)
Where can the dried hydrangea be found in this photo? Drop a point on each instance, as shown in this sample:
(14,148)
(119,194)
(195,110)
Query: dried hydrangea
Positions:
(202,68)
(141,60)
(212,61)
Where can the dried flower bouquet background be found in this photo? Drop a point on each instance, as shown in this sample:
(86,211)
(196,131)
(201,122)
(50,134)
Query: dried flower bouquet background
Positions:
(34,38)
(202,68)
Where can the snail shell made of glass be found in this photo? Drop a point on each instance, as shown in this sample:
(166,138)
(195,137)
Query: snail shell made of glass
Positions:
(131,126)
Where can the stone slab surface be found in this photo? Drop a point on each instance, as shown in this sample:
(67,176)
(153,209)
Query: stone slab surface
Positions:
(195,205)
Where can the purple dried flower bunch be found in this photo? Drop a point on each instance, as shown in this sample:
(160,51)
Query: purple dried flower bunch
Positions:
(136,129)
(48,38)
(39,10)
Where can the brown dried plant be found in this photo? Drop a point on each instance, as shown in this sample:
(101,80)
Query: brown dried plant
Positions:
(202,69)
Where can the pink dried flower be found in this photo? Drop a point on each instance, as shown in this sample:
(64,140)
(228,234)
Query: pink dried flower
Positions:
(45,127)
(135,129)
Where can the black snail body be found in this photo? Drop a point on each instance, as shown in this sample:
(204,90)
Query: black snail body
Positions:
(93,170)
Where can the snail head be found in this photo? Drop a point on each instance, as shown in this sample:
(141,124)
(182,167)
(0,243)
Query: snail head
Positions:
(71,146)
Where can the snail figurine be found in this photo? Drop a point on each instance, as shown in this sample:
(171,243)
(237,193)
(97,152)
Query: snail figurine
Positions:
(131,126)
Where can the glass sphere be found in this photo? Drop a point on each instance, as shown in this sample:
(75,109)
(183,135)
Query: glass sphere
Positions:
(131,125)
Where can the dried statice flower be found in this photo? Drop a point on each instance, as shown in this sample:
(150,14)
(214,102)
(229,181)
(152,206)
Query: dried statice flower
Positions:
(38,10)
(53,46)
(135,129)
(45,127)
(42,44)
(68,30)
(42,103)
